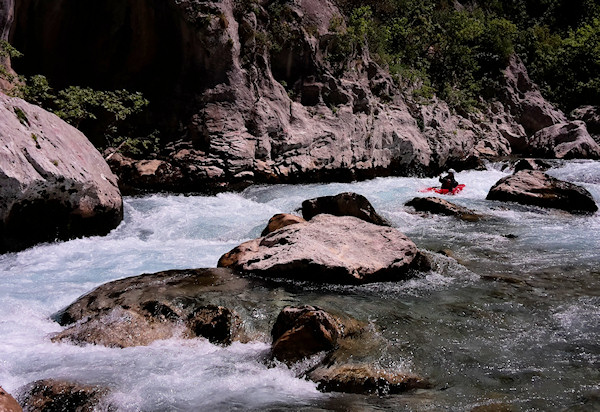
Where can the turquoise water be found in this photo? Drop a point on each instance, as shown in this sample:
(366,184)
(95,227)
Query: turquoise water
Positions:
(513,319)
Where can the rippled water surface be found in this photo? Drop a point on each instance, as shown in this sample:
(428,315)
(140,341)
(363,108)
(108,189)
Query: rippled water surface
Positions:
(511,318)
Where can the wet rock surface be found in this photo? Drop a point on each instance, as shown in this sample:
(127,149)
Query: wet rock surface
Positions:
(139,310)
(53,183)
(343,204)
(328,249)
(436,205)
(281,220)
(539,189)
(8,403)
(50,395)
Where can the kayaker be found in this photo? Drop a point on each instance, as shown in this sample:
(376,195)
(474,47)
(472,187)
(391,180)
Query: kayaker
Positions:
(449,182)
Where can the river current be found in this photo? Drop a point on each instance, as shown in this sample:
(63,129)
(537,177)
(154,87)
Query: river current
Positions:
(512,319)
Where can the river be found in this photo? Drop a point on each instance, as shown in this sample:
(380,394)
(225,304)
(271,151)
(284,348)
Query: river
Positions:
(512,319)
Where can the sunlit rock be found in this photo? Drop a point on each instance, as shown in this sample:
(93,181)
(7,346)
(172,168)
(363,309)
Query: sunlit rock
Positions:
(329,249)
(437,205)
(281,220)
(8,403)
(54,184)
(141,309)
(536,188)
(564,141)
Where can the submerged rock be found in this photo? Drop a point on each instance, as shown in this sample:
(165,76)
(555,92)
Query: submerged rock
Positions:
(8,403)
(55,395)
(141,309)
(365,379)
(281,220)
(564,141)
(329,249)
(54,184)
(436,205)
(300,332)
(536,188)
(343,204)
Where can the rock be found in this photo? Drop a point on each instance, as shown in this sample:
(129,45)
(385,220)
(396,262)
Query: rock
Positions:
(328,249)
(343,204)
(590,115)
(300,332)
(281,220)
(531,164)
(564,141)
(365,379)
(441,206)
(141,309)
(525,101)
(8,403)
(55,395)
(536,188)
(53,183)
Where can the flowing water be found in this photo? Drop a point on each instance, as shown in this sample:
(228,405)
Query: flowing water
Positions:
(512,319)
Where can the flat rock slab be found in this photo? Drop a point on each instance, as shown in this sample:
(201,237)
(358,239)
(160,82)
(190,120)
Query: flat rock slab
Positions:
(328,249)
(531,187)
(436,205)
(141,309)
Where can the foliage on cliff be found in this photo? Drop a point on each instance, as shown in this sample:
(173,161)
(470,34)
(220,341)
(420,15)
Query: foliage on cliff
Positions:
(457,50)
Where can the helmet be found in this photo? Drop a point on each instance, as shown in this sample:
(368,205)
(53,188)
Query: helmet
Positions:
(451,171)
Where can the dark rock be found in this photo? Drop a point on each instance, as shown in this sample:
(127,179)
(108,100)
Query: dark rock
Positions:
(328,249)
(8,403)
(441,206)
(531,164)
(538,189)
(141,309)
(343,204)
(365,379)
(300,332)
(54,184)
(590,115)
(51,395)
(564,141)
(281,220)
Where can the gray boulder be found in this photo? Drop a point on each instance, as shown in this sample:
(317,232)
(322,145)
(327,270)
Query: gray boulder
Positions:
(564,141)
(141,309)
(436,205)
(343,204)
(53,183)
(329,249)
(531,187)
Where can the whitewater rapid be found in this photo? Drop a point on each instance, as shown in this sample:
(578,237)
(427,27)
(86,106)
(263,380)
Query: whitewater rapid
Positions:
(511,339)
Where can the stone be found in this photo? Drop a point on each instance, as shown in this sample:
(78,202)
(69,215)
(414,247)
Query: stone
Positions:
(531,187)
(53,183)
(139,310)
(531,164)
(301,332)
(8,403)
(58,395)
(328,249)
(590,115)
(343,204)
(564,141)
(281,220)
(437,205)
(365,379)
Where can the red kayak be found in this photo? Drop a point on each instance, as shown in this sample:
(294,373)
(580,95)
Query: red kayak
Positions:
(441,191)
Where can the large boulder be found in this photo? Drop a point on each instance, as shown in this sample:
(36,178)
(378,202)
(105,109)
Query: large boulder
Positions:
(328,249)
(53,183)
(141,309)
(437,205)
(343,204)
(57,395)
(532,187)
(8,403)
(590,115)
(564,141)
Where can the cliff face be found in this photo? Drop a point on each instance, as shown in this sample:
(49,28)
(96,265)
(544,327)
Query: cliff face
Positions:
(249,95)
